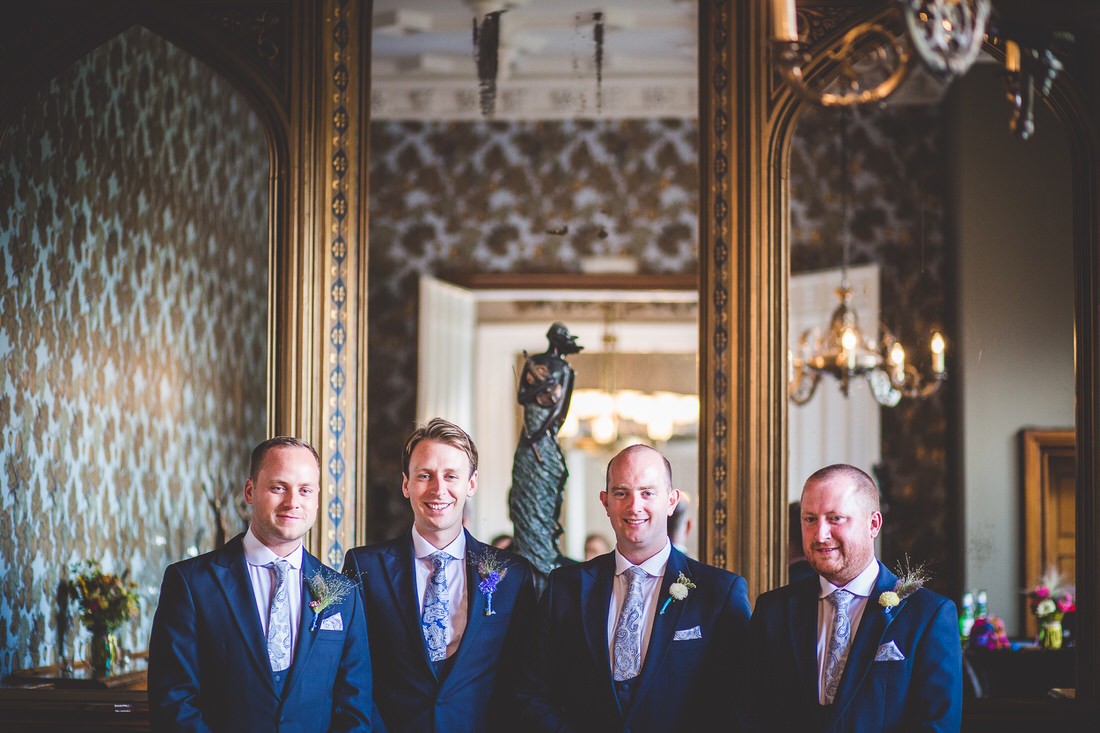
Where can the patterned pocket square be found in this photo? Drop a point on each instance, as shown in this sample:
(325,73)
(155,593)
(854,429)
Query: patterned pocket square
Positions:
(684,634)
(333,623)
(889,653)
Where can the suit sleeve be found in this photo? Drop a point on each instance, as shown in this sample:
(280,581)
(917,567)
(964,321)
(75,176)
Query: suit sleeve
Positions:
(504,707)
(753,688)
(352,702)
(935,695)
(731,656)
(536,697)
(174,659)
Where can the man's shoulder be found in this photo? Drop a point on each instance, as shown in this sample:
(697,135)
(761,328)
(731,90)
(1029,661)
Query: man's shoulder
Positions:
(388,547)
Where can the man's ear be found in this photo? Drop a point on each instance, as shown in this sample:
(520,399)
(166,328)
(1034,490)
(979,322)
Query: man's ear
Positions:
(248,489)
(405,485)
(603,500)
(876,523)
(673,500)
(472,488)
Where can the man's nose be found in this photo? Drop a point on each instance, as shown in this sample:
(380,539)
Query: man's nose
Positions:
(823,533)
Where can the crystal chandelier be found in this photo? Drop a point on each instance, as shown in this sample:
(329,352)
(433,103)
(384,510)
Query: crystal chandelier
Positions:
(846,352)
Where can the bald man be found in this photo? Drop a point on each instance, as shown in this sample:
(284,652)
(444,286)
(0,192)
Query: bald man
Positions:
(847,649)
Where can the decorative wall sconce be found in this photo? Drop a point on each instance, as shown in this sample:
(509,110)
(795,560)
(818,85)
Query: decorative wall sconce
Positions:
(946,35)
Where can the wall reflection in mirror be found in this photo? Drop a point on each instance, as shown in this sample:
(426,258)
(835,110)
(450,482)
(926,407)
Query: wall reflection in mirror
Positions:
(970,229)
(133,329)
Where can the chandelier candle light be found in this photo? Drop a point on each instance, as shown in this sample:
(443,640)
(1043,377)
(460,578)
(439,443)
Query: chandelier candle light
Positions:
(846,352)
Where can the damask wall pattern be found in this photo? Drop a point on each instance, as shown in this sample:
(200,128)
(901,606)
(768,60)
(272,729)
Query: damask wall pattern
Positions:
(506,197)
(133,320)
(896,220)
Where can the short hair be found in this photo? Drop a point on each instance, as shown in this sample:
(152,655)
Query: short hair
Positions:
(281,441)
(636,448)
(438,430)
(865,485)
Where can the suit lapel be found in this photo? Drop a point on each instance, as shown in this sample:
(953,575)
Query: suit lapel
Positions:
(872,627)
(310,566)
(596,586)
(231,573)
(475,601)
(398,561)
(664,625)
(802,607)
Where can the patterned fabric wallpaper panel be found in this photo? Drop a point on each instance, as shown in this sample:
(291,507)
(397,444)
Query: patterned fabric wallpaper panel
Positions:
(133,329)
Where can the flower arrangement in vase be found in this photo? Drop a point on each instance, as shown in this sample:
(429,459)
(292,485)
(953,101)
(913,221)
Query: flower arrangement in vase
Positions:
(1050,600)
(106,602)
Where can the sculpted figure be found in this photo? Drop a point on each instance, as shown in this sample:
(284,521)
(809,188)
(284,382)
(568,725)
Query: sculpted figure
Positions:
(538,468)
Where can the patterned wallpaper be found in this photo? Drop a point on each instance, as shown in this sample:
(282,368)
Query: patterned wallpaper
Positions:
(898,176)
(484,197)
(133,318)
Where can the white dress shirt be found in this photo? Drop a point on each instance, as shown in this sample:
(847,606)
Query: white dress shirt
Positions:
(860,587)
(651,586)
(263,582)
(456,583)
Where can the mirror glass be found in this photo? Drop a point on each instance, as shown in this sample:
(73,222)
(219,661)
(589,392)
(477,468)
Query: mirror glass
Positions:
(588,166)
(971,231)
(133,329)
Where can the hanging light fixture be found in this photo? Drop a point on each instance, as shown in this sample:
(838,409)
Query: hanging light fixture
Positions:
(845,351)
(612,412)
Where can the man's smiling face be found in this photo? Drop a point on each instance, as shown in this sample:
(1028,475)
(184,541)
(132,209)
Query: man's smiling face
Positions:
(437,485)
(639,500)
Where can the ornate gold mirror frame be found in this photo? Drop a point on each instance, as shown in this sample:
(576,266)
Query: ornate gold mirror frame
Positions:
(747,120)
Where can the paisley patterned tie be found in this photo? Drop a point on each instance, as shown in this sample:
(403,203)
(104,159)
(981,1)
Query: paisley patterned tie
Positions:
(434,620)
(278,618)
(837,652)
(628,630)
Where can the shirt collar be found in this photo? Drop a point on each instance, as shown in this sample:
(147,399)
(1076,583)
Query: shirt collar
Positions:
(861,585)
(422,548)
(654,566)
(259,554)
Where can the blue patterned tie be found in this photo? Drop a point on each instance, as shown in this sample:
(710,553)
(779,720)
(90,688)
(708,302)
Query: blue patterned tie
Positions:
(837,652)
(434,620)
(628,630)
(278,619)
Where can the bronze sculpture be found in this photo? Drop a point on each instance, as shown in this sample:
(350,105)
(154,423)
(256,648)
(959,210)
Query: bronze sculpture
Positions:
(538,468)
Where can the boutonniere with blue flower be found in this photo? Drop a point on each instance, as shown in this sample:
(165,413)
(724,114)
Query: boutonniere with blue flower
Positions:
(327,593)
(491,568)
(678,591)
(910,580)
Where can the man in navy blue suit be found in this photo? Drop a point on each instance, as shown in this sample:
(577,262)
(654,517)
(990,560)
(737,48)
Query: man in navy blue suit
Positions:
(642,639)
(447,614)
(236,645)
(847,649)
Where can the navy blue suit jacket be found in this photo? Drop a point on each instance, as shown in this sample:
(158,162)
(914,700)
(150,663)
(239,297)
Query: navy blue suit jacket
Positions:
(208,663)
(684,683)
(474,691)
(922,692)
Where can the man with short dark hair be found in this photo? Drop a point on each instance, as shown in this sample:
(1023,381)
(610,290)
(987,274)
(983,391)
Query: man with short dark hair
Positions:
(641,639)
(447,613)
(235,644)
(849,648)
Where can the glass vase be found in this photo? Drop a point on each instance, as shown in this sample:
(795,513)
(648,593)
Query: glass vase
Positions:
(103,652)
(1050,634)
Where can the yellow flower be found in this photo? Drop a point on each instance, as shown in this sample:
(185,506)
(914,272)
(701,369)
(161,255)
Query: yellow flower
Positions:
(889,599)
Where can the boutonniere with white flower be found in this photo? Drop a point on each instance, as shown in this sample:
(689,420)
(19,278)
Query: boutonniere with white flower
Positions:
(678,591)
(910,580)
(327,593)
(491,568)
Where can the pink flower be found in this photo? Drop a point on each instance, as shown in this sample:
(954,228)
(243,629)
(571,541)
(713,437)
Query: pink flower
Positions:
(1042,591)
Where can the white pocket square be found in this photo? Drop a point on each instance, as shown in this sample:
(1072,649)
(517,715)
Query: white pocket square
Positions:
(684,634)
(889,653)
(334,622)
